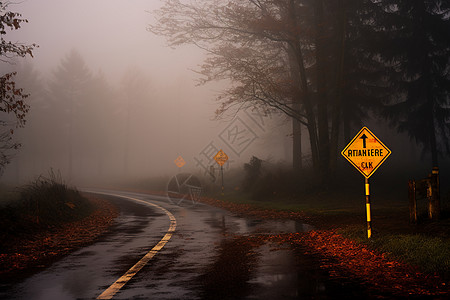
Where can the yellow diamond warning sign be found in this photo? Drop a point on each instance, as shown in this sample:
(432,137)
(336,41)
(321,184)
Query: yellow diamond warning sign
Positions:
(179,161)
(366,152)
(221,157)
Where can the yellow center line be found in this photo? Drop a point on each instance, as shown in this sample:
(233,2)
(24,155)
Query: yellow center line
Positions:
(119,283)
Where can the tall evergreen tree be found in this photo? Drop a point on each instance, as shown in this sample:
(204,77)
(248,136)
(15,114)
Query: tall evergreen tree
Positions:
(134,92)
(69,92)
(418,33)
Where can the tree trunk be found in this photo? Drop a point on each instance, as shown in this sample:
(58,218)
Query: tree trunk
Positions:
(297,145)
(296,106)
(305,99)
(347,128)
(71,135)
(432,134)
(322,105)
(339,86)
(127,139)
(301,96)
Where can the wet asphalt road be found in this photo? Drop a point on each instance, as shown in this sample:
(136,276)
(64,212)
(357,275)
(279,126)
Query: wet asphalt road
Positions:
(207,257)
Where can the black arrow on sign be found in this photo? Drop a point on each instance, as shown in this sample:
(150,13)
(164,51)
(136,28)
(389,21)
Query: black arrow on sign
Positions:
(364,137)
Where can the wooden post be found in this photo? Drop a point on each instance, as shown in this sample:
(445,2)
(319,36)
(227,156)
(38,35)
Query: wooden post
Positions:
(434,200)
(429,197)
(412,201)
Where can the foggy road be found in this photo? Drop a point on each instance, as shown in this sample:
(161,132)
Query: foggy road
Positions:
(268,101)
(206,258)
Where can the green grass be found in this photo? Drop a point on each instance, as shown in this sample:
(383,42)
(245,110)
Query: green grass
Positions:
(428,253)
(431,253)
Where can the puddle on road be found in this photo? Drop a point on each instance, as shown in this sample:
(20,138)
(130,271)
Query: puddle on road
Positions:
(256,226)
(247,226)
(244,268)
(279,276)
(286,273)
(270,271)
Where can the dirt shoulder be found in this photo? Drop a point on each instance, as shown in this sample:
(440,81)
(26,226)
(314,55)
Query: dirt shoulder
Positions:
(39,250)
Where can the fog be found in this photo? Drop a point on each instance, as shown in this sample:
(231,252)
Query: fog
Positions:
(110,101)
(136,131)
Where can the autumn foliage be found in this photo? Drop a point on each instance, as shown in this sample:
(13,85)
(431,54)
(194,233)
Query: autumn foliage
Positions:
(12,99)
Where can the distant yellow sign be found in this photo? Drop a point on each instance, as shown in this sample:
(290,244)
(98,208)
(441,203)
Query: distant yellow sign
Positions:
(179,161)
(221,157)
(366,152)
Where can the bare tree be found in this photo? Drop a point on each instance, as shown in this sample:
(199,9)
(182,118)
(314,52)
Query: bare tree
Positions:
(12,99)
(255,45)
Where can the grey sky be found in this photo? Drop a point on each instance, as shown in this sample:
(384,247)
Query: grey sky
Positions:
(110,34)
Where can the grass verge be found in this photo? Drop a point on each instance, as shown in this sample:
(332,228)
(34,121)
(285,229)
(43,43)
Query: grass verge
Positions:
(427,252)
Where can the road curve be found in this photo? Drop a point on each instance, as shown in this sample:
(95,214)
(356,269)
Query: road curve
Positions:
(119,283)
(210,255)
(90,271)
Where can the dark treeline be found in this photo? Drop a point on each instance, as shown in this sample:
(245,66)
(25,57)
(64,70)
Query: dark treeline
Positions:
(328,65)
(79,123)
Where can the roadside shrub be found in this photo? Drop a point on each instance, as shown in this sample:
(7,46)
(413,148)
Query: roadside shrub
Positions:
(266,181)
(273,182)
(45,203)
(48,201)
(253,172)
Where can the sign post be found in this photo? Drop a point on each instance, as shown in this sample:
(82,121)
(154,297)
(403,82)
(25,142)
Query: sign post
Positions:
(221,158)
(366,153)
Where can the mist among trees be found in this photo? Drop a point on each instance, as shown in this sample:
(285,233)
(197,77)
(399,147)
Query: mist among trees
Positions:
(79,121)
(327,67)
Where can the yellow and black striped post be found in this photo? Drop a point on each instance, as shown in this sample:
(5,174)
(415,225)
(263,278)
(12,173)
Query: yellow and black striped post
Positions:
(221,170)
(369,220)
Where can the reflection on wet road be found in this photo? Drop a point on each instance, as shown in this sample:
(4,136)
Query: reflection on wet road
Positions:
(209,257)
